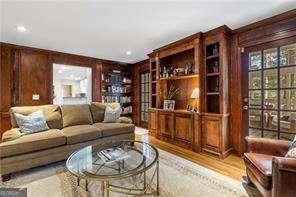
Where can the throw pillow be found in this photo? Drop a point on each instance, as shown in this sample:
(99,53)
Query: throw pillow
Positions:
(292,149)
(291,153)
(32,123)
(293,143)
(112,113)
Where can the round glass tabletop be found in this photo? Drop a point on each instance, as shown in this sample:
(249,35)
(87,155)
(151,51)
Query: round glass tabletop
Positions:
(112,160)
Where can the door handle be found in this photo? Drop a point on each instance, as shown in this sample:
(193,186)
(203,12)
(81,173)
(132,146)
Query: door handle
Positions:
(245,107)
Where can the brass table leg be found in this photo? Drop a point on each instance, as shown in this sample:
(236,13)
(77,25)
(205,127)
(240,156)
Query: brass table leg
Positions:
(86,185)
(103,188)
(107,188)
(157,177)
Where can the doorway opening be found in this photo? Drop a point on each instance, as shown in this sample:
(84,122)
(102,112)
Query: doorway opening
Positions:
(72,84)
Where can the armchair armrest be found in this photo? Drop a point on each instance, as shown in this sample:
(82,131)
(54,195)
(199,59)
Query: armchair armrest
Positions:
(283,176)
(267,146)
(284,163)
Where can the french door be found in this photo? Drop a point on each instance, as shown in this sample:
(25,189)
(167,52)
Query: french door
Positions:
(270,90)
(145,100)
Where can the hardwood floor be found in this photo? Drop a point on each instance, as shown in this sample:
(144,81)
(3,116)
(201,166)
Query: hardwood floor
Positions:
(232,166)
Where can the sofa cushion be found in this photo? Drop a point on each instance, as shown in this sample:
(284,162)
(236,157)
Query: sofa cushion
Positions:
(33,142)
(261,166)
(109,129)
(76,115)
(81,133)
(97,111)
(51,113)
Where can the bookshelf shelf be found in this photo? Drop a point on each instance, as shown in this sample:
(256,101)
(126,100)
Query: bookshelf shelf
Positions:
(179,77)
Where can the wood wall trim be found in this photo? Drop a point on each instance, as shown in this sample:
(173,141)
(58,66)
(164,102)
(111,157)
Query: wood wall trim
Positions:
(61,55)
(172,45)
(283,16)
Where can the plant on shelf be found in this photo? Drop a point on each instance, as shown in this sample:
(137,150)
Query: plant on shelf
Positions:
(173,91)
(169,103)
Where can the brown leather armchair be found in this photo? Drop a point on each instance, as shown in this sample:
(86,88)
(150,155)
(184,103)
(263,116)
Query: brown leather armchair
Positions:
(268,169)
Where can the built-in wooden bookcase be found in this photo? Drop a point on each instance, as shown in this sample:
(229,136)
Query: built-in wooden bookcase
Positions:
(116,86)
(215,116)
(176,65)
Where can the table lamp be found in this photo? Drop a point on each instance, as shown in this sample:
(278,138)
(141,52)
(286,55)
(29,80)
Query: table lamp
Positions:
(195,95)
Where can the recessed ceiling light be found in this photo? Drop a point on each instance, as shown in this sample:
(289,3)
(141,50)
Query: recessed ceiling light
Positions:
(128,52)
(21,28)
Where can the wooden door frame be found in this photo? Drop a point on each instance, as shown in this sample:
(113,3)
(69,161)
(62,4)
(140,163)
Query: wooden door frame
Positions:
(245,72)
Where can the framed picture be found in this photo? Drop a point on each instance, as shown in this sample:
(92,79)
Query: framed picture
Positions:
(169,104)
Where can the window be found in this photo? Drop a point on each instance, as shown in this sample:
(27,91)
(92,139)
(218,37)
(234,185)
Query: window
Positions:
(272,92)
(145,100)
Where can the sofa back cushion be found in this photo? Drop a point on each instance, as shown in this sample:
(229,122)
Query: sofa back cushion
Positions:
(76,115)
(97,110)
(52,114)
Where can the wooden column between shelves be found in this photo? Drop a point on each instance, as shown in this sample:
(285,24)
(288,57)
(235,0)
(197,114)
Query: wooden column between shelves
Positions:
(215,114)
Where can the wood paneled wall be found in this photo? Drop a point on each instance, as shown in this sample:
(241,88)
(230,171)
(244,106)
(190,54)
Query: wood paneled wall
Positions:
(25,71)
(143,66)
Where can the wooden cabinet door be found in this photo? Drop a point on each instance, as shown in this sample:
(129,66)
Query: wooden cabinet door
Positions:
(165,124)
(184,127)
(34,77)
(211,133)
(152,121)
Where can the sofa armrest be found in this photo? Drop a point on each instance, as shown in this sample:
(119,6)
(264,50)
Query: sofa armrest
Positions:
(267,146)
(11,134)
(283,176)
(125,120)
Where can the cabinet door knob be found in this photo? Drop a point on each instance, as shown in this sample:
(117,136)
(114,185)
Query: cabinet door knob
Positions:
(245,107)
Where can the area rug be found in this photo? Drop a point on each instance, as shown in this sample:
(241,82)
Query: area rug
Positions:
(178,177)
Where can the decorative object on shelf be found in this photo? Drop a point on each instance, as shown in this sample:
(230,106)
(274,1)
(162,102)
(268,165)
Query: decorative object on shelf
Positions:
(216,67)
(191,108)
(195,95)
(169,104)
(215,50)
(173,91)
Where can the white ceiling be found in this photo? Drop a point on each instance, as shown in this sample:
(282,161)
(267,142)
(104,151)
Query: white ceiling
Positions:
(107,29)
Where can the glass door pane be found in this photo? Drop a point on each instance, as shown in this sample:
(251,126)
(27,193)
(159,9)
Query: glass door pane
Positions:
(272,92)
(145,92)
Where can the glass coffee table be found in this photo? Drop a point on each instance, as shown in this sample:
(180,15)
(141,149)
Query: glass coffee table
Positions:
(127,167)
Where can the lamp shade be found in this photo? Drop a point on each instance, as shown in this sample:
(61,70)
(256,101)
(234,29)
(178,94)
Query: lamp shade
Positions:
(195,93)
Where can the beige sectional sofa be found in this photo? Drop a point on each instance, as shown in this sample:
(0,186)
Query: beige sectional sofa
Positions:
(71,127)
